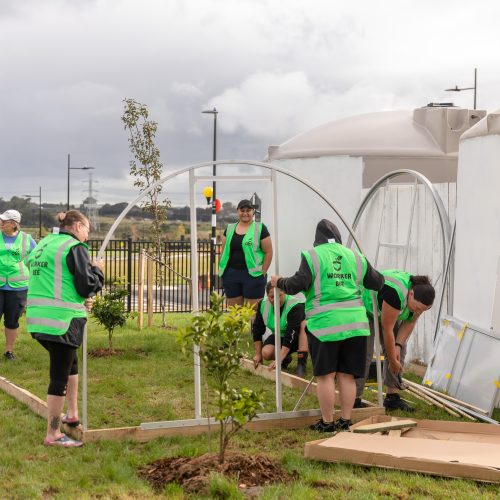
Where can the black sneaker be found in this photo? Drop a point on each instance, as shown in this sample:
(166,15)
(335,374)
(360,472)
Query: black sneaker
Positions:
(9,356)
(286,362)
(358,403)
(300,371)
(342,425)
(394,402)
(321,426)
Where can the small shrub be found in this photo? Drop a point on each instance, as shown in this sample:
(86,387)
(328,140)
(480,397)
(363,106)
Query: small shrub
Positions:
(219,336)
(109,309)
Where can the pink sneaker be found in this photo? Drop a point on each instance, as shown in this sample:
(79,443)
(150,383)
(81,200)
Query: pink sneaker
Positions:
(64,441)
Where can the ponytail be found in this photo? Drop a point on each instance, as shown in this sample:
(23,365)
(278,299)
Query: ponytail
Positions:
(70,218)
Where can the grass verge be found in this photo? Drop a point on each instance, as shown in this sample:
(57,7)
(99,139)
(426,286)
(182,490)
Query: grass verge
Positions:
(153,381)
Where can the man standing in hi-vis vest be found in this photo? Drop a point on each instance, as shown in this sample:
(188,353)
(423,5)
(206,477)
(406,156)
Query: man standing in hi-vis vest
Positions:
(331,277)
(292,331)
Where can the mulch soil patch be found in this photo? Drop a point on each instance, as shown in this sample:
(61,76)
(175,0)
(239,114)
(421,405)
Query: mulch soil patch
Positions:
(193,473)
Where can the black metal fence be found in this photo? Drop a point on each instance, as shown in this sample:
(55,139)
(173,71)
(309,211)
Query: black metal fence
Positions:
(171,280)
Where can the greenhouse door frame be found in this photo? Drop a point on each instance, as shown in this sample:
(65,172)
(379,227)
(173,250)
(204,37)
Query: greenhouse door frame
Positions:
(193,180)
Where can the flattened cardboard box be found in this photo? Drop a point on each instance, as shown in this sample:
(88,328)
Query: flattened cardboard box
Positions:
(453,449)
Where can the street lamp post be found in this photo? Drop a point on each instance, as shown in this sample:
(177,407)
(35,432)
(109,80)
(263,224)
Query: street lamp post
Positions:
(457,89)
(213,240)
(74,168)
(39,196)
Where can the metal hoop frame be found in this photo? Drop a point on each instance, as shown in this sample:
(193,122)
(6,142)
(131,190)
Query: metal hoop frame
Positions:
(194,271)
(447,240)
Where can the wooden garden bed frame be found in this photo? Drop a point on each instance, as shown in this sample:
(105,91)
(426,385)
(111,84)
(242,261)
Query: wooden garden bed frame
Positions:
(193,427)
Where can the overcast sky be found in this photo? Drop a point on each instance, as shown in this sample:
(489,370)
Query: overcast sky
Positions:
(272,68)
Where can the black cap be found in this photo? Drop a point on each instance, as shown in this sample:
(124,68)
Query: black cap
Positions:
(245,204)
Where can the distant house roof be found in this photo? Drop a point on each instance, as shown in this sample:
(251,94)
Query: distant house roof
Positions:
(425,139)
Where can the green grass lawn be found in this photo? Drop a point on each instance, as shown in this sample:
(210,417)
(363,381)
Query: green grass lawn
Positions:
(150,381)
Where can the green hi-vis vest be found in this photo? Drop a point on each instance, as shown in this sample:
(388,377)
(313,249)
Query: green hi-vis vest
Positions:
(13,269)
(267,311)
(399,281)
(52,297)
(334,309)
(254,256)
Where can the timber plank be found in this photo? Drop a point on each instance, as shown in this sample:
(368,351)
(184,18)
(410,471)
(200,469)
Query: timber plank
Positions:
(34,403)
(385,426)
(288,379)
(143,435)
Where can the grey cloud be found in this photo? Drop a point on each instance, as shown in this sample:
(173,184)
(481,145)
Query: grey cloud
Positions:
(64,76)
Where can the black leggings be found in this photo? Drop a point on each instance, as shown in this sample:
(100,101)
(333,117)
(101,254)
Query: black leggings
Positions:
(63,363)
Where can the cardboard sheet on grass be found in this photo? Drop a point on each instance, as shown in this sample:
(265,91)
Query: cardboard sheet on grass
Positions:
(454,449)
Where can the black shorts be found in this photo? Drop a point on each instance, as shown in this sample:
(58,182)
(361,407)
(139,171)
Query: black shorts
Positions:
(239,283)
(293,348)
(344,356)
(12,305)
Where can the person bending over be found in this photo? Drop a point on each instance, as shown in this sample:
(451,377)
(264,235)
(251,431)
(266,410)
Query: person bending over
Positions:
(292,331)
(400,303)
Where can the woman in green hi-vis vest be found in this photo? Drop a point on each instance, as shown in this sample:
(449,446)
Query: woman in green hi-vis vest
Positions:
(246,255)
(15,246)
(400,303)
(62,281)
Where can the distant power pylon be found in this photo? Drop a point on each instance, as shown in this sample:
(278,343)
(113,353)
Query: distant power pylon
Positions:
(90,204)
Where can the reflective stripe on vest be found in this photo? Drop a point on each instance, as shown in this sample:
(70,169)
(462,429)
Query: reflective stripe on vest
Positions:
(317,279)
(55,303)
(401,287)
(341,328)
(335,305)
(58,271)
(23,248)
(256,244)
(47,322)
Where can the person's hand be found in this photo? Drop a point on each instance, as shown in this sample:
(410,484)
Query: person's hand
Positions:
(272,366)
(257,359)
(398,354)
(395,366)
(274,280)
(99,263)
(89,303)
